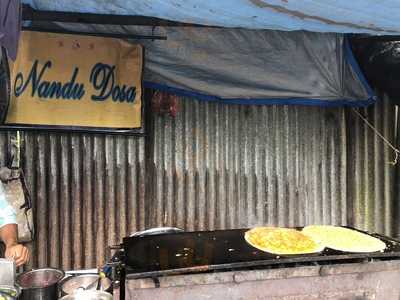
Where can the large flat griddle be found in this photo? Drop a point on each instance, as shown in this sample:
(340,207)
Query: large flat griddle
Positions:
(193,252)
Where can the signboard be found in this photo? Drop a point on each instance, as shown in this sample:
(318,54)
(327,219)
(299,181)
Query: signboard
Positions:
(75,81)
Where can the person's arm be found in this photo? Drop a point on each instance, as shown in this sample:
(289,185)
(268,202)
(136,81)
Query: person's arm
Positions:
(14,251)
(9,235)
(9,232)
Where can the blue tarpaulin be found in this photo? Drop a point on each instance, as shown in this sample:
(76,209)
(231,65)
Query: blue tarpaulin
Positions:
(281,65)
(357,16)
(249,66)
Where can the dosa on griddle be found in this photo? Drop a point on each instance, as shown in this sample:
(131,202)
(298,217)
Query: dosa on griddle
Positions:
(344,239)
(281,241)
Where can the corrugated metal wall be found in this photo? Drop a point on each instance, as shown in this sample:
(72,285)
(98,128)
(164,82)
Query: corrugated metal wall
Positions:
(213,166)
(371,187)
(218,166)
(88,192)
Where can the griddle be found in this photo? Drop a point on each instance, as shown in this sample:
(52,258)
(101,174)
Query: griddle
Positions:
(202,251)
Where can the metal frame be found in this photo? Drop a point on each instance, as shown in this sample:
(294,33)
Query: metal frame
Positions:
(30,14)
(100,34)
(308,260)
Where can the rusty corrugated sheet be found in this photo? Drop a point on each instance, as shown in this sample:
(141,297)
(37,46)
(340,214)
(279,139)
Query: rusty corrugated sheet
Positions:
(371,173)
(217,166)
(88,193)
(213,166)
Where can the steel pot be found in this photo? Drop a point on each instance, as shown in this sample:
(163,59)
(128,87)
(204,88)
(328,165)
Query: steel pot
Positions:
(88,295)
(85,282)
(41,284)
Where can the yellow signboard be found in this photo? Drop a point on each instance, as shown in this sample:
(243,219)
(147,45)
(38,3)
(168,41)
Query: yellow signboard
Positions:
(75,80)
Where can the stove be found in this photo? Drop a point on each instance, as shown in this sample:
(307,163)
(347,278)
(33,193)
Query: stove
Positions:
(205,251)
(215,264)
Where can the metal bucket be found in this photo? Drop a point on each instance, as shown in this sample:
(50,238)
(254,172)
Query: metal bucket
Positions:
(41,284)
(88,295)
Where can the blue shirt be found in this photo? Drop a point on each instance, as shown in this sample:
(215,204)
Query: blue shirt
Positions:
(7,213)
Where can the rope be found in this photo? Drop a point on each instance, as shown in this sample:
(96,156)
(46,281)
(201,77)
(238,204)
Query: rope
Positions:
(386,141)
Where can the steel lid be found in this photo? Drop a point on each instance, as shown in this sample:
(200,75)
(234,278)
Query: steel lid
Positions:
(82,282)
(158,230)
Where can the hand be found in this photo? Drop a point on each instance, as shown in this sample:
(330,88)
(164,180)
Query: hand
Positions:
(18,253)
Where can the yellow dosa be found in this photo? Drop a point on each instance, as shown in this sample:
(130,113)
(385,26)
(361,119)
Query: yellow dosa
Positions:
(281,241)
(344,239)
